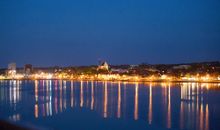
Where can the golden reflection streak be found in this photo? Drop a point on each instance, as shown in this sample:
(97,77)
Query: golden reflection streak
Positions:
(10,92)
(136,102)
(50,103)
(184,91)
(201,117)
(119,100)
(17,91)
(87,94)
(36,111)
(96,98)
(207,117)
(13,93)
(61,95)
(169,110)
(105,101)
(193,104)
(47,109)
(56,98)
(72,94)
(47,98)
(36,90)
(92,95)
(197,105)
(124,99)
(150,105)
(47,90)
(44,104)
(181,115)
(64,89)
(81,94)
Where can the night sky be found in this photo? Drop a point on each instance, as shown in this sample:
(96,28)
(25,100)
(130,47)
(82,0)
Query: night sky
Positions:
(80,32)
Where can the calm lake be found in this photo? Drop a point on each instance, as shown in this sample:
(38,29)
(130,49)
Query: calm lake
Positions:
(93,105)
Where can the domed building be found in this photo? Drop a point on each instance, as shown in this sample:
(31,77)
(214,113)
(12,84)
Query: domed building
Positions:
(103,66)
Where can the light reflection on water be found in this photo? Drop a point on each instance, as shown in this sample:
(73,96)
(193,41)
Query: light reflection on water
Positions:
(179,106)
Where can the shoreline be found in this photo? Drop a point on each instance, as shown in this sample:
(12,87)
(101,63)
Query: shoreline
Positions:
(115,80)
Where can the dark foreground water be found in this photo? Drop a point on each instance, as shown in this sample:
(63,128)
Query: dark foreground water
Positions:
(57,104)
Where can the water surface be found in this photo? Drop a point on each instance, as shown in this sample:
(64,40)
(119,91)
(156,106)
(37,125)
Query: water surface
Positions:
(92,105)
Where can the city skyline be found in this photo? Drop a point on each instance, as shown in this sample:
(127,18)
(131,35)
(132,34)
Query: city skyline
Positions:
(110,64)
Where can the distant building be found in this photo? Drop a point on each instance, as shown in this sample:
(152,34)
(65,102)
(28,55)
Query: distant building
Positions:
(119,71)
(103,66)
(11,69)
(133,66)
(28,69)
(182,67)
(152,69)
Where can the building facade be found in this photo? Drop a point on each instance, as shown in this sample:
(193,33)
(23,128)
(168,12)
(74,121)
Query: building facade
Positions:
(11,69)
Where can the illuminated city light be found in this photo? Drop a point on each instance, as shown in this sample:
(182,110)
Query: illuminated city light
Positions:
(136,102)
(115,75)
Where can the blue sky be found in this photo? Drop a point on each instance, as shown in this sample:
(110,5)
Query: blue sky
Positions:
(79,32)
